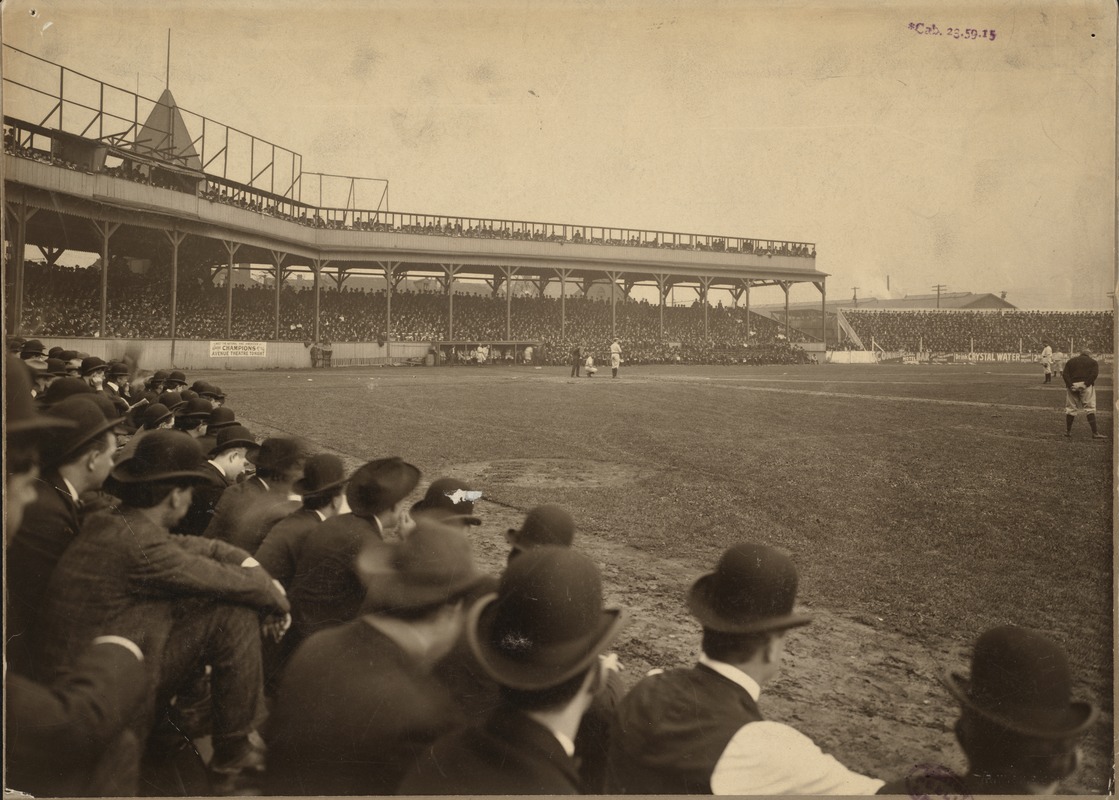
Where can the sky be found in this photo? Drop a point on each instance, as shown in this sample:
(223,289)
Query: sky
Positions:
(981,165)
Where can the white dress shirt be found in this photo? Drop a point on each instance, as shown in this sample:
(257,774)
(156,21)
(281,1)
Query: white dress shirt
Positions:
(769,757)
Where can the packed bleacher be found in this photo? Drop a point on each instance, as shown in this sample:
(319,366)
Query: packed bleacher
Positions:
(64,301)
(263,203)
(194,611)
(999,331)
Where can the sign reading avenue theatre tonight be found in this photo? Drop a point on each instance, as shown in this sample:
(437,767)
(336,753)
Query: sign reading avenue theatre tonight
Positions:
(238,349)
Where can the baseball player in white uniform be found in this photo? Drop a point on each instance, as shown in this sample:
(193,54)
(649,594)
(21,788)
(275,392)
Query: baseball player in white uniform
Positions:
(1047,361)
(615,357)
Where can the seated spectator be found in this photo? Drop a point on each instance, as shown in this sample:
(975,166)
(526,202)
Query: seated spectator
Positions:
(248,509)
(543,525)
(201,601)
(1018,724)
(226,463)
(451,502)
(699,730)
(540,638)
(356,705)
(69,736)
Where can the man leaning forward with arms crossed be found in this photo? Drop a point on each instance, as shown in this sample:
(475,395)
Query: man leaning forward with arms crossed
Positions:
(1080,374)
(699,730)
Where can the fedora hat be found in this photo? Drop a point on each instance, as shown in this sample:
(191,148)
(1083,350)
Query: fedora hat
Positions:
(432,566)
(87,422)
(155,414)
(546,622)
(62,388)
(449,499)
(20,414)
(545,525)
(93,364)
(381,484)
(752,590)
(221,417)
(278,453)
(165,455)
(321,473)
(1021,681)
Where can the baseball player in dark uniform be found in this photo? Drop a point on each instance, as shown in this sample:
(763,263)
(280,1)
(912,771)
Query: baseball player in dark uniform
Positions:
(1080,374)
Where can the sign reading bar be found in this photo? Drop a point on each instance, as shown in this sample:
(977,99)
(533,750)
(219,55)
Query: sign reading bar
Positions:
(238,349)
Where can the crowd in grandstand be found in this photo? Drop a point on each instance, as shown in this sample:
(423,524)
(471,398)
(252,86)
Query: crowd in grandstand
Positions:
(64,301)
(174,580)
(998,331)
(303,214)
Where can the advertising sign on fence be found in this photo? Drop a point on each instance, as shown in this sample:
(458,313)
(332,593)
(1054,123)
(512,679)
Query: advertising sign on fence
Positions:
(238,349)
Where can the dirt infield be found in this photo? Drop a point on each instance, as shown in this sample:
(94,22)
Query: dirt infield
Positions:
(915,523)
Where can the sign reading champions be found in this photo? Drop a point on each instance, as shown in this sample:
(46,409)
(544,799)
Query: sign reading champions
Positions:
(238,349)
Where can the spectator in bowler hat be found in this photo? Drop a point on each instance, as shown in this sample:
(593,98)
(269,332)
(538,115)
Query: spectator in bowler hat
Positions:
(699,730)
(356,705)
(540,637)
(225,462)
(191,419)
(247,509)
(543,525)
(219,418)
(93,372)
(67,736)
(34,354)
(76,459)
(450,501)
(1018,725)
(62,388)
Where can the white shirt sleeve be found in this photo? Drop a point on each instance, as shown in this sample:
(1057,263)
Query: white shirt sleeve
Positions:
(772,758)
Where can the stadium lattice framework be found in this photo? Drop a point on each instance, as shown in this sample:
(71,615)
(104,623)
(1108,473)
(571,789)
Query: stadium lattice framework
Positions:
(182,181)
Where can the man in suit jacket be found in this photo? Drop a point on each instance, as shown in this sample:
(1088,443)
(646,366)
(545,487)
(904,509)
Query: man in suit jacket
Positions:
(77,459)
(81,716)
(225,465)
(699,730)
(187,601)
(325,589)
(539,637)
(357,704)
(247,510)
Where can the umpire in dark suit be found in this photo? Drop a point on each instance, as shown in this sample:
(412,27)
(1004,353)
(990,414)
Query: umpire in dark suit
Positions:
(539,637)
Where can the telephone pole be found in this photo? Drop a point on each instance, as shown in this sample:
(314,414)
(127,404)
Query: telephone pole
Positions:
(939,287)
(855,295)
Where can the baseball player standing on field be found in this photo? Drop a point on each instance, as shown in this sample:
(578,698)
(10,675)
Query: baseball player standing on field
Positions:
(1080,375)
(615,357)
(1047,361)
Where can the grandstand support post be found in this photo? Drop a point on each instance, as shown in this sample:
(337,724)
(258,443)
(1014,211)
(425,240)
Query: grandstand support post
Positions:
(662,292)
(389,269)
(747,293)
(785,287)
(509,272)
(175,238)
(822,286)
(563,275)
(704,289)
(451,270)
(614,277)
(21,213)
(317,266)
(231,249)
(106,230)
(278,259)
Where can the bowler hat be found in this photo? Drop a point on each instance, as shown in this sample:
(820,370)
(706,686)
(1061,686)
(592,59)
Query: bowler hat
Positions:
(431,567)
(196,409)
(54,351)
(164,455)
(187,394)
(321,473)
(159,376)
(1021,681)
(32,348)
(233,436)
(544,525)
(279,453)
(752,590)
(172,400)
(175,378)
(63,388)
(154,415)
(15,344)
(221,417)
(93,364)
(118,369)
(380,484)
(56,367)
(68,355)
(449,499)
(88,423)
(546,623)
(20,414)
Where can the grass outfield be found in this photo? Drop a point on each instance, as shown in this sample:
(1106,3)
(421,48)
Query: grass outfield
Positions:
(921,504)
